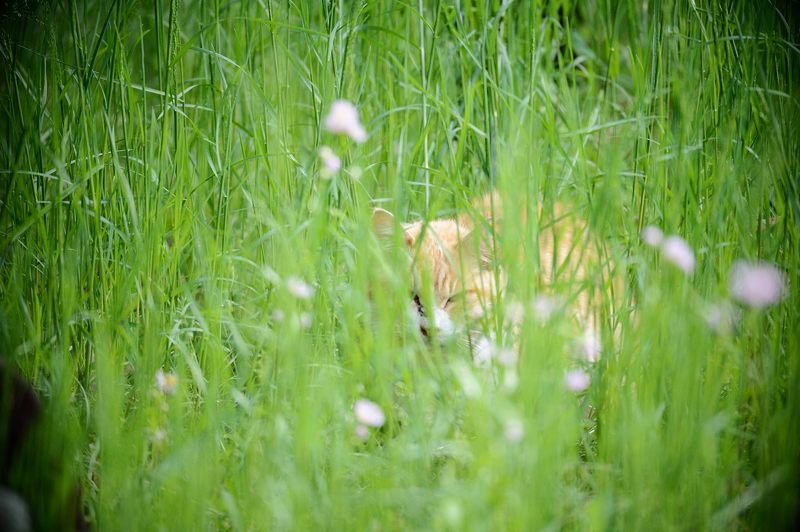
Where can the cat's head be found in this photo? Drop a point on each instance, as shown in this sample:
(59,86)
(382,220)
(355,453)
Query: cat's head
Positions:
(449,267)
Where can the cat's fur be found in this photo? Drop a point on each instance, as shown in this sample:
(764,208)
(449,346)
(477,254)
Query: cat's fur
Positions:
(456,256)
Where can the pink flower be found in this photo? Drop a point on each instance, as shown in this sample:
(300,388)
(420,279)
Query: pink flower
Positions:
(368,413)
(343,119)
(756,285)
(330,162)
(652,236)
(577,380)
(677,251)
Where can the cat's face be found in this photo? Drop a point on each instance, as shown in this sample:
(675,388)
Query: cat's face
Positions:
(449,279)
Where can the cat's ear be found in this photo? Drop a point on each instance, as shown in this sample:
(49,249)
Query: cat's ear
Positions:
(384,227)
(476,247)
(490,206)
(382,223)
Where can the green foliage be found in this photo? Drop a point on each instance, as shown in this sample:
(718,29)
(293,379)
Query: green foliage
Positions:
(160,184)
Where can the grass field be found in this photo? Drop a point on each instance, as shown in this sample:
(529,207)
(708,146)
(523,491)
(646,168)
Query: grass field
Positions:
(165,213)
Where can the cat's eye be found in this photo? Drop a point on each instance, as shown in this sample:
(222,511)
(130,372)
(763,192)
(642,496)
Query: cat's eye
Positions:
(452,299)
(418,304)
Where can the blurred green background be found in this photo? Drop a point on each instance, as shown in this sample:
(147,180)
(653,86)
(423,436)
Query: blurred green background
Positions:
(160,185)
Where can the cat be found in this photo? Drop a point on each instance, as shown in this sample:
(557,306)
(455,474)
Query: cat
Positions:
(457,261)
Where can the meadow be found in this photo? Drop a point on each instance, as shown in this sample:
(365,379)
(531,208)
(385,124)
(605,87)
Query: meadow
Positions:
(192,286)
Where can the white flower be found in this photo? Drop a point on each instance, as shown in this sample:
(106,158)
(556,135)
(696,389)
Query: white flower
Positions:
(362,432)
(305,320)
(368,413)
(330,162)
(677,251)
(167,382)
(756,285)
(278,315)
(577,380)
(590,346)
(652,235)
(514,430)
(343,119)
(299,288)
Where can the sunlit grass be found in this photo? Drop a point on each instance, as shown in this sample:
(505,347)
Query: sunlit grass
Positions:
(198,298)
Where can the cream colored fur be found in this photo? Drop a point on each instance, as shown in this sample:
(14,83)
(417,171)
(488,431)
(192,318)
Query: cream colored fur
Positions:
(455,256)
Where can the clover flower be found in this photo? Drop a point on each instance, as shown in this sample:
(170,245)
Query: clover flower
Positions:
(678,251)
(343,119)
(368,413)
(331,163)
(756,285)
(577,380)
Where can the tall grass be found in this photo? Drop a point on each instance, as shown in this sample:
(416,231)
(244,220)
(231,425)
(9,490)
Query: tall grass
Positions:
(160,184)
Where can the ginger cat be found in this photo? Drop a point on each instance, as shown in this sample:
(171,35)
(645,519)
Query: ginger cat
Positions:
(454,258)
